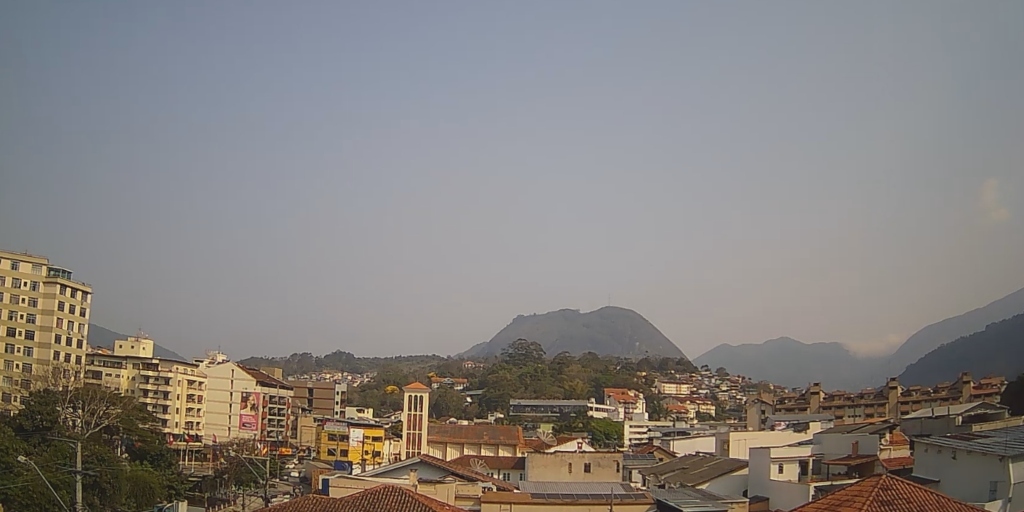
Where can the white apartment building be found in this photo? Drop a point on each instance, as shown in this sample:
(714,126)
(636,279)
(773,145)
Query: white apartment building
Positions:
(44,319)
(625,404)
(789,476)
(985,468)
(245,404)
(674,387)
(641,432)
(737,445)
(174,391)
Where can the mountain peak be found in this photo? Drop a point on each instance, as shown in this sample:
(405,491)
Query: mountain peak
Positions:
(610,330)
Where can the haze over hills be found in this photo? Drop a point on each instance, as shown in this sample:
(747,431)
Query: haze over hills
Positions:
(789,362)
(996,351)
(103,337)
(792,363)
(606,331)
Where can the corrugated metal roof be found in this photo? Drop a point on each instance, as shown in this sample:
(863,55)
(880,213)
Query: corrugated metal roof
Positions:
(577,403)
(638,460)
(952,410)
(691,499)
(1007,442)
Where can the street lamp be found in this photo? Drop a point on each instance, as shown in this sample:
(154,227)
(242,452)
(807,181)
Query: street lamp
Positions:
(25,460)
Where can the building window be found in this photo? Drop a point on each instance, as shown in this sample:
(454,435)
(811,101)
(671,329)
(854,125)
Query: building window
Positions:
(1,293)
(3,280)
(60,306)
(71,309)
(7,382)
(15,265)
(8,348)
(586,467)
(6,398)
(56,355)
(85,296)
(618,467)
(33,286)
(33,302)
(570,468)
(522,476)
(30,335)
(68,341)
(782,468)
(30,318)
(60,325)
(12,316)
(506,477)
(74,293)
(57,339)
(15,299)
(30,352)
(37,269)
(12,332)
(67,357)
(15,282)
(78,360)
(332,452)
(8,365)
(81,344)
(81,312)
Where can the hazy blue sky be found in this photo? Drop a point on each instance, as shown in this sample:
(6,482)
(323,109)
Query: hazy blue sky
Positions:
(406,177)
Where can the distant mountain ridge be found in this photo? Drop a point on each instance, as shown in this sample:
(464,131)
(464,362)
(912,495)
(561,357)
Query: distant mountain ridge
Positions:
(609,330)
(789,362)
(102,337)
(792,363)
(996,351)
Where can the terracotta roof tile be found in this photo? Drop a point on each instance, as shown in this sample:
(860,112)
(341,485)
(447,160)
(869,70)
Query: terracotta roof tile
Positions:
(898,463)
(886,493)
(466,473)
(416,386)
(476,434)
(899,439)
(492,462)
(383,497)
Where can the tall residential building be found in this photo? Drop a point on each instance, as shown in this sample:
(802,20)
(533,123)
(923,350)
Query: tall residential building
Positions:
(416,405)
(319,398)
(44,318)
(246,404)
(174,391)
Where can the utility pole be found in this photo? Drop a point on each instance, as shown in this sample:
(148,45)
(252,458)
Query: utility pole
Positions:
(266,484)
(79,504)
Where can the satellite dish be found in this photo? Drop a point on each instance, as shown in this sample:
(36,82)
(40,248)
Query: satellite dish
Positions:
(479,466)
(547,437)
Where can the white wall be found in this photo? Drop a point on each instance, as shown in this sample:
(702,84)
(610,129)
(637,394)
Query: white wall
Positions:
(740,443)
(690,445)
(967,477)
(734,484)
(838,445)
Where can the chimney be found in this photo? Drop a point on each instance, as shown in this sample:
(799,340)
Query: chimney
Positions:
(414,478)
(854,449)
(815,398)
(966,383)
(892,394)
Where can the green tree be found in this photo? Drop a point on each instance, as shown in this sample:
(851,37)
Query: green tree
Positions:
(605,433)
(522,353)
(446,403)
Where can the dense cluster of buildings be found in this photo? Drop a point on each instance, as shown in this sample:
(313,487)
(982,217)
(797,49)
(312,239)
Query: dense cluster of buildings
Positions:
(725,445)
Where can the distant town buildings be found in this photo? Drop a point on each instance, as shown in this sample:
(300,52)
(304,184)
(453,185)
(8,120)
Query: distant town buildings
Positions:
(245,403)
(174,391)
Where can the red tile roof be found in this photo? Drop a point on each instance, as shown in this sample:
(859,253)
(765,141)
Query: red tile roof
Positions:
(895,463)
(466,474)
(383,497)
(651,448)
(492,462)
(898,439)
(538,445)
(886,493)
(416,386)
(476,434)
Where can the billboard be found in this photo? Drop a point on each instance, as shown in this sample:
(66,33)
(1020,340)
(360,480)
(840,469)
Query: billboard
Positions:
(355,438)
(249,412)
